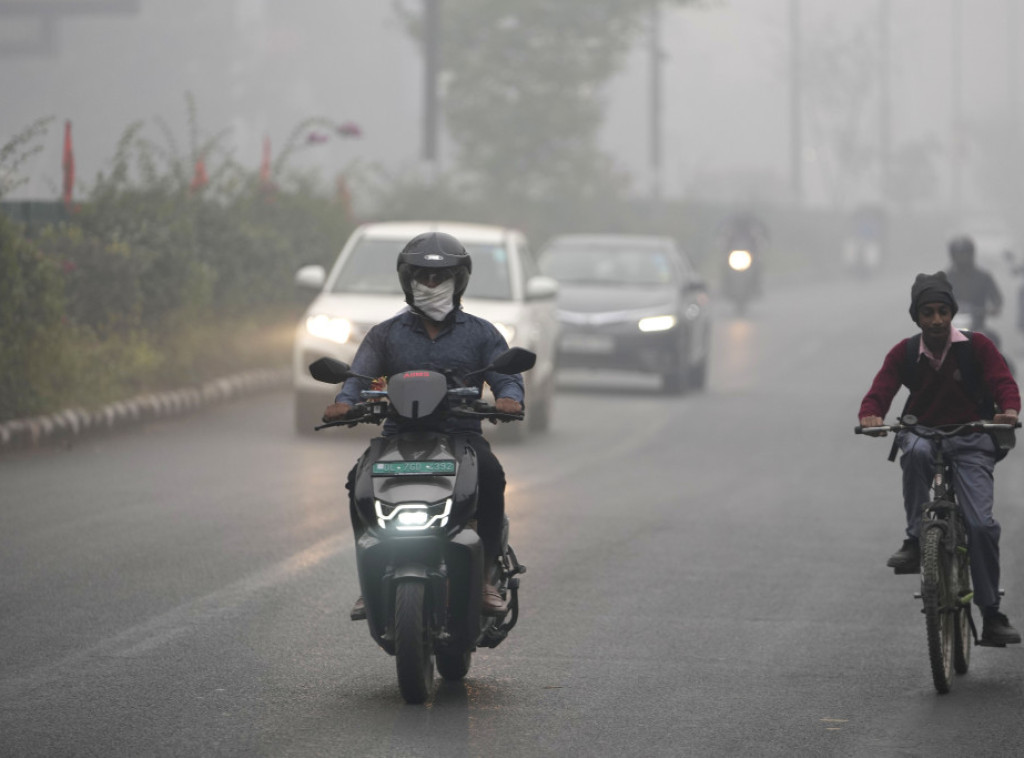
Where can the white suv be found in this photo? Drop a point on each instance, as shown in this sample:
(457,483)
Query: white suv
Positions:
(362,289)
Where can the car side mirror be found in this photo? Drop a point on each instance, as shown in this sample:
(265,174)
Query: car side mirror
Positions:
(541,288)
(311,277)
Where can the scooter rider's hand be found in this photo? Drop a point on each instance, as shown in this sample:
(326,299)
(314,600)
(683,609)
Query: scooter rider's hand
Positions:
(336,412)
(869,421)
(507,405)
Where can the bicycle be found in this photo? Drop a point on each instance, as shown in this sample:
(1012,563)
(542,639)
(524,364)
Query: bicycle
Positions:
(946,591)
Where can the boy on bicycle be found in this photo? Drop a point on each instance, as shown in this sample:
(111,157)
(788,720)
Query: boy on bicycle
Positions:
(939,376)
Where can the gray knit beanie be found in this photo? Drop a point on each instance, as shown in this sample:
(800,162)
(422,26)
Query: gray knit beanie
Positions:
(931,288)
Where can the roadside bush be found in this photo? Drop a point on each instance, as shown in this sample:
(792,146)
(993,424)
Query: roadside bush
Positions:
(33,331)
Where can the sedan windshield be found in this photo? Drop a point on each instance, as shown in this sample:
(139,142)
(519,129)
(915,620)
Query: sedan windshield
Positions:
(604,264)
(370,269)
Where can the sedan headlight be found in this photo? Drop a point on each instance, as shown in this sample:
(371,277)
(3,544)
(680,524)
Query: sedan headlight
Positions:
(330,328)
(656,323)
(413,517)
(508,332)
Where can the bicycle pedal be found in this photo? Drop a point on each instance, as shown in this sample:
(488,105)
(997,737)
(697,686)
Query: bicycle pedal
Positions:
(983,643)
(907,570)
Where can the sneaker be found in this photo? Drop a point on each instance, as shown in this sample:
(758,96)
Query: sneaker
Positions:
(358,612)
(997,631)
(906,560)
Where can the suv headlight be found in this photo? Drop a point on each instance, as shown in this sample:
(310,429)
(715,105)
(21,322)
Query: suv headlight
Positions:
(331,328)
(413,517)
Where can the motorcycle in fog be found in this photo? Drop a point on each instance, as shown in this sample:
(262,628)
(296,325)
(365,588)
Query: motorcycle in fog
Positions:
(741,281)
(973,318)
(419,556)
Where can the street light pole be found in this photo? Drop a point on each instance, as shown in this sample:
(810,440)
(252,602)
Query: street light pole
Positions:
(957,138)
(431,68)
(655,103)
(795,135)
(884,103)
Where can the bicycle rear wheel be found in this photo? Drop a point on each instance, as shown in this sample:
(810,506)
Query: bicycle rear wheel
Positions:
(940,609)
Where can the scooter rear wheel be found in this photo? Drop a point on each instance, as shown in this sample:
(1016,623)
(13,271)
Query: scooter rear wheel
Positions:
(414,659)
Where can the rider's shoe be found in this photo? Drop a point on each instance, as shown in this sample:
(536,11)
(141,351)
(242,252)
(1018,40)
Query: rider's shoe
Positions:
(491,603)
(997,631)
(906,560)
(358,612)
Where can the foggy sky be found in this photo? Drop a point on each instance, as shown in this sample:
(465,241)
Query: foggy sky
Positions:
(260,67)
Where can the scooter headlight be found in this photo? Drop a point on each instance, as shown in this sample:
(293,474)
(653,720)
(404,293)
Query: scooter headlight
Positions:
(413,517)
(740,260)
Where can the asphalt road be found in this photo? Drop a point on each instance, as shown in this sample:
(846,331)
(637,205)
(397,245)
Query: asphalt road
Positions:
(706,578)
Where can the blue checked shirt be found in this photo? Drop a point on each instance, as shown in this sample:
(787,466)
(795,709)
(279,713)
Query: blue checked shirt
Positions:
(401,343)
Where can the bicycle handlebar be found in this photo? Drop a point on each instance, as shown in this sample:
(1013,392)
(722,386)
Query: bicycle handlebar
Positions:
(945,430)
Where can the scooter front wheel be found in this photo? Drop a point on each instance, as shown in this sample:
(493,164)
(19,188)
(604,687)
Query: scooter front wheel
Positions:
(414,659)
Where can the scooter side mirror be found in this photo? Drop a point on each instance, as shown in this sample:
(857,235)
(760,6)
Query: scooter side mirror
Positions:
(515,360)
(331,371)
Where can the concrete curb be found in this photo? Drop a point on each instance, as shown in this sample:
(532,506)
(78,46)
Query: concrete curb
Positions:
(71,424)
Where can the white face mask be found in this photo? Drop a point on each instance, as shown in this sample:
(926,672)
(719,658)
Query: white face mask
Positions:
(435,302)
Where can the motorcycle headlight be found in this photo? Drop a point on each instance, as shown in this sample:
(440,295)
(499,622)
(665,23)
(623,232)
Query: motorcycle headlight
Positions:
(656,323)
(331,328)
(413,517)
(740,260)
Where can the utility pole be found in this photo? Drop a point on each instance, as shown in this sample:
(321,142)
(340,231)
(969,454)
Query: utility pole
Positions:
(795,135)
(655,103)
(1013,94)
(431,70)
(884,103)
(956,106)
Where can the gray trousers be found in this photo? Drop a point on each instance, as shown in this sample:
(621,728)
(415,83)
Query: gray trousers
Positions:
(974,459)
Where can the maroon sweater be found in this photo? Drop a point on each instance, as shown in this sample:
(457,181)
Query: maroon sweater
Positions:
(942,397)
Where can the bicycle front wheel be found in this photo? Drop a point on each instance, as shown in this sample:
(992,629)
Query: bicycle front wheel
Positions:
(962,649)
(940,606)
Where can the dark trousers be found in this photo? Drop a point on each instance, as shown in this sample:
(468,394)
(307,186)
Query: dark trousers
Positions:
(490,507)
(974,458)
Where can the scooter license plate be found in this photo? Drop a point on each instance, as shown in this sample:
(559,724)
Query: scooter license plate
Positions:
(413,468)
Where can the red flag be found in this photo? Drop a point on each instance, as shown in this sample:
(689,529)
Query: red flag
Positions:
(349,129)
(199,179)
(265,165)
(68,164)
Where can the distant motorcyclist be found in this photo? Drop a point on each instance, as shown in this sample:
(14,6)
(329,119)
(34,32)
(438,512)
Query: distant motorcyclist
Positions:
(434,333)
(975,289)
(745,238)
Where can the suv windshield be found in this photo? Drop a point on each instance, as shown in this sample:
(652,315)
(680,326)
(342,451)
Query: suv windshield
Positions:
(607,264)
(370,270)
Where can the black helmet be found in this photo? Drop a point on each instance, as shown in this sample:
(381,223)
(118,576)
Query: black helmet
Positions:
(434,250)
(961,249)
